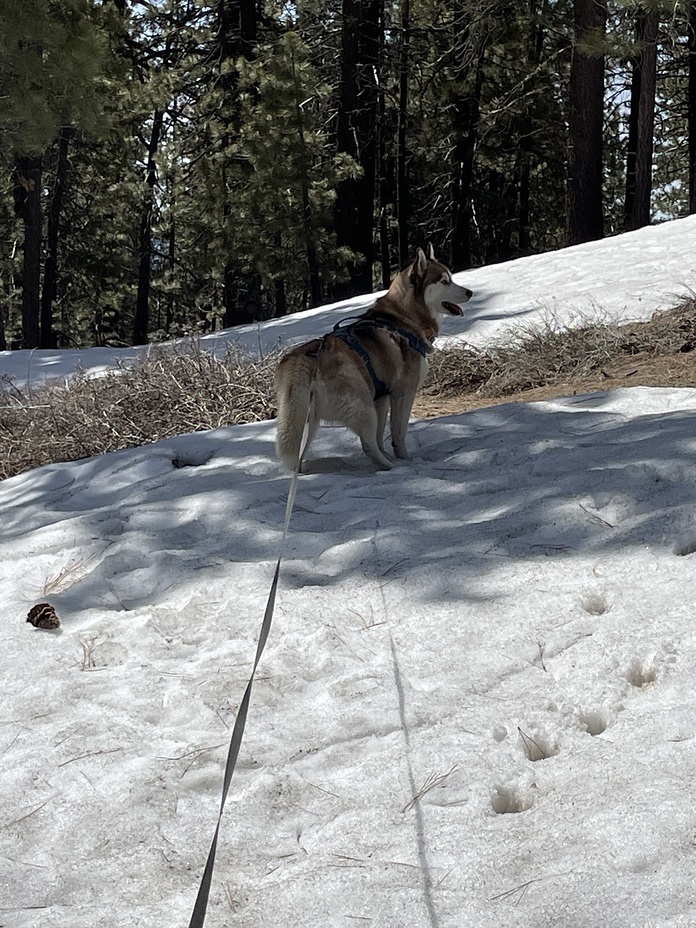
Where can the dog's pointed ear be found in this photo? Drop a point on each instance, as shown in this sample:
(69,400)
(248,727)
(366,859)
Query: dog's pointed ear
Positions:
(431,252)
(420,265)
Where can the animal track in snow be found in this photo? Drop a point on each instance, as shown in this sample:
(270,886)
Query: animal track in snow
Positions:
(537,747)
(641,673)
(192,459)
(595,721)
(499,733)
(595,604)
(511,799)
(685,545)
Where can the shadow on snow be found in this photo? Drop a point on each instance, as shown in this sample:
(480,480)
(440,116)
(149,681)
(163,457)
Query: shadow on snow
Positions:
(508,482)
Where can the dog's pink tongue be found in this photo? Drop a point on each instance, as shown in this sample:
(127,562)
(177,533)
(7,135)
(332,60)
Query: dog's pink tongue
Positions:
(453,308)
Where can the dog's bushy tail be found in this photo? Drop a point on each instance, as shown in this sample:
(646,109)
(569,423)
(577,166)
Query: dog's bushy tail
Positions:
(294,394)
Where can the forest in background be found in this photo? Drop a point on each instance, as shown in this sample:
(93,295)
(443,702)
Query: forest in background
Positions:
(178,166)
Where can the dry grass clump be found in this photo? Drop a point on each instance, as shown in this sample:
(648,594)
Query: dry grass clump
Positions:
(534,358)
(172,391)
(175,389)
(546,356)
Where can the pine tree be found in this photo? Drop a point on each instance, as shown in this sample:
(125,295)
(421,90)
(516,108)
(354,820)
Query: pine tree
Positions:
(51,61)
(641,125)
(291,174)
(586,113)
(356,137)
(691,105)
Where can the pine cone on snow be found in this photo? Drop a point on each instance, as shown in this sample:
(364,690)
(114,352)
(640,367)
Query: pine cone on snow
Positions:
(43,615)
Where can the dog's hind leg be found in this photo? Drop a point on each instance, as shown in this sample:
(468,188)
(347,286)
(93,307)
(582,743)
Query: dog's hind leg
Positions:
(364,421)
(382,408)
(295,408)
(400,412)
(369,446)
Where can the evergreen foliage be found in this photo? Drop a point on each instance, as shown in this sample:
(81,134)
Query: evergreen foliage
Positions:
(173,167)
(49,54)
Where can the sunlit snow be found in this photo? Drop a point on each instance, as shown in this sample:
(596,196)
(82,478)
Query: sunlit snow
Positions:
(476,706)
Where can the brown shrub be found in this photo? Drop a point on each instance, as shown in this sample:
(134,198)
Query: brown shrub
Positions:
(180,389)
(172,391)
(538,357)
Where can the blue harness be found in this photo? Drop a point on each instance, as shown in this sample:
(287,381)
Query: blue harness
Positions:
(345,329)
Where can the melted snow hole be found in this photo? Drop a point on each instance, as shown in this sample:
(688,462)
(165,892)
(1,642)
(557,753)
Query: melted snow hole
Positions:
(192,459)
(685,545)
(641,673)
(595,604)
(594,721)
(511,799)
(537,747)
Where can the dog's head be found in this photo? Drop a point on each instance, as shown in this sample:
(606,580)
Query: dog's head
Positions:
(434,281)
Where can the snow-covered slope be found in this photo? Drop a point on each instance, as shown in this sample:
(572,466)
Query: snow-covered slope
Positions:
(623,278)
(475,708)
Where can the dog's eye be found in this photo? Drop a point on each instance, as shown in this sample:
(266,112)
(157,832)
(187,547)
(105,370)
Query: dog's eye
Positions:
(446,282)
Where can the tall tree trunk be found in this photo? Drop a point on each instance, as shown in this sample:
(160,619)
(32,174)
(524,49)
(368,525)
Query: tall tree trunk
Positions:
(524,243)
(632,145)
(281,300)
(467,108)
(50,279)
(537,10)
(692,106)
(171,254)
(307,214)
(384,200)
(641,123)
(4,293)
(142,304)
(384,166)
(586,115)
(237,27)
(403,200)
(384,250)
(27,194)
(236,37)
(357,136)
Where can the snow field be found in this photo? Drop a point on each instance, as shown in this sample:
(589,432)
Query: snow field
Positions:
(475,706)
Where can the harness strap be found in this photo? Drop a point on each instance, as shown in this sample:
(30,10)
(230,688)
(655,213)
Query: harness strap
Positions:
(344,331)
(386,322)
(381,389)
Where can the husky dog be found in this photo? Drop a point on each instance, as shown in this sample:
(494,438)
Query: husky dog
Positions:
(369,364)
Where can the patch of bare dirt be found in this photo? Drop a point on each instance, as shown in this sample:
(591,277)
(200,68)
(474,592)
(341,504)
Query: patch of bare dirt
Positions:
(672,371)
(658,353)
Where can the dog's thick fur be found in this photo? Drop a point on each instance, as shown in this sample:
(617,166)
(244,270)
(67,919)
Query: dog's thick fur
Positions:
(344,390)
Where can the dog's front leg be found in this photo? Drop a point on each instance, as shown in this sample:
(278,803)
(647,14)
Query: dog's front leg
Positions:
(400,411)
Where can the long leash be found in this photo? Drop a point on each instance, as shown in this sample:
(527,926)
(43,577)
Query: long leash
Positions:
(201,904)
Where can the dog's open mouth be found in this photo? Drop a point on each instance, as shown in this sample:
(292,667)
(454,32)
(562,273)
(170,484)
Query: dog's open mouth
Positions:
(453,308)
